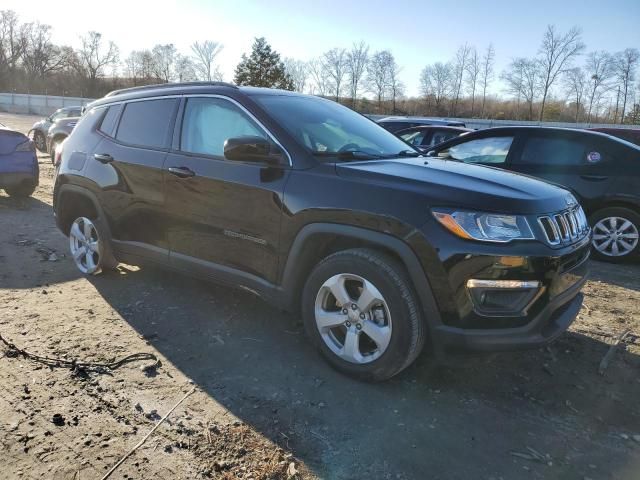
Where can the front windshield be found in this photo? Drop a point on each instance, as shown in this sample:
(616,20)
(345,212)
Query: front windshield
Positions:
(328,129)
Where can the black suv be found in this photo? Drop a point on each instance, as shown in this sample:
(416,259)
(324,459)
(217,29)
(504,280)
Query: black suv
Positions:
(602,171)
(320,210)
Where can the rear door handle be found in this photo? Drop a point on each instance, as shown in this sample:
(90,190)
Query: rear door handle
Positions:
(103,157)
(595,178)
(182,172)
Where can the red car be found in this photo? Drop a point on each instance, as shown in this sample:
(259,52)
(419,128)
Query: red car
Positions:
(629,134)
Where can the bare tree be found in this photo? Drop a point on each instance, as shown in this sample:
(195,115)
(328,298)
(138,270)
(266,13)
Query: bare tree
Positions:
(395,86)
(513,78)
(40,56)
(298,71)
(459,68)
(335,62)
(522,79)
(599,68)
(486,73)
(357,59)
(320,77)
(435,81)
(576,84)
(12,43)
(378,76)
(186,70)
(555,55)
(625,66)
(164,60)
(473,72)
(204,56)
(93,59)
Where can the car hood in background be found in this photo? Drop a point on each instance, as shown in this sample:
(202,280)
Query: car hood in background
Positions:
(460,185)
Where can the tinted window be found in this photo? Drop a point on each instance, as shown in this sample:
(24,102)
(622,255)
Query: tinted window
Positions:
(57,116)
(74,113)
(553,151)
(209,122)
(483,150)
(146,123)
(108,124)
(440,136)
(395,126)
(414,138)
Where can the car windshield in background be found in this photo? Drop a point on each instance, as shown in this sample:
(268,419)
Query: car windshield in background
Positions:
(328,129)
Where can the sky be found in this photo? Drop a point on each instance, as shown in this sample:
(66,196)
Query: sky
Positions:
(417,32)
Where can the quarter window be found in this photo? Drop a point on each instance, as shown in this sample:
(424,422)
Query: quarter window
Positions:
(108,124)
(483,150)
(146,123)
(552,151)
(209,122)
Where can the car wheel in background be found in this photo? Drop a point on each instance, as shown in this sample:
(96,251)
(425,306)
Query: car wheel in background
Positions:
(89,246)
(361,312)
(616,232)
(23,190)
(40,141)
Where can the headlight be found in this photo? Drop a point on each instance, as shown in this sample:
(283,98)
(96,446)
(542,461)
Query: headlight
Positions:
(487,227)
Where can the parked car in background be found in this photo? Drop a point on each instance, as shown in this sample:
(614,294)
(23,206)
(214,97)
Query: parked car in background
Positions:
(602,171)
(19,172)
(428,136)
(58,132)
(629,134)
(310,205)
(41,128)
(393,124)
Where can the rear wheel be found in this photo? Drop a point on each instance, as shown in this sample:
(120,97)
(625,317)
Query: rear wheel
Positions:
(40,141)
(360,311)
(616,234)
(89,246)
(23,190)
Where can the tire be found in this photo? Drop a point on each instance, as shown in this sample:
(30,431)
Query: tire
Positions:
(24,190)
(395,321)
(40,141)
(615,234)
(90,246)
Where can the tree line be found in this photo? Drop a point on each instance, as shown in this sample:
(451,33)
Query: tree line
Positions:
(562,82)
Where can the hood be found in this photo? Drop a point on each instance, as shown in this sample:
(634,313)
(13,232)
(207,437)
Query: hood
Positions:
(460,185)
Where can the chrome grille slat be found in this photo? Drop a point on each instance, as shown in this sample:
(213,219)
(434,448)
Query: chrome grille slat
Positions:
(564,227)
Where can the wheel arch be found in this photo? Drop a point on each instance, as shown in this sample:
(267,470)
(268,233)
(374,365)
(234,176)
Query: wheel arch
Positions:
(71,200)
(631,203)
(318,240)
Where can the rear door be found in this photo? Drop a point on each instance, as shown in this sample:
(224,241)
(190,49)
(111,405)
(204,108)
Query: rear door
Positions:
(128,162)
(581,163)
(222,214)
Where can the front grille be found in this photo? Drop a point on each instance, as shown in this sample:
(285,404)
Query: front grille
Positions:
(564,227)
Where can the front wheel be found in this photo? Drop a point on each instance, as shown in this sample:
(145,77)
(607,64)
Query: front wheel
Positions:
(40,141)
(89,246)
(361,312)
(23,190)
(616,234)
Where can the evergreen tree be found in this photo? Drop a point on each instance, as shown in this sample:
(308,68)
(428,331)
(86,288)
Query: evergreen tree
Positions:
(263,68)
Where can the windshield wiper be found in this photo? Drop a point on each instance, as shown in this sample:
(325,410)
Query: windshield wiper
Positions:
(406,153)
(348,155)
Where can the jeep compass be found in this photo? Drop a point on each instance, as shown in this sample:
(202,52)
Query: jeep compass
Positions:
(322,211)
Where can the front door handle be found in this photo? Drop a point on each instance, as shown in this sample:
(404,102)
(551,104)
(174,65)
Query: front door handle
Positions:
(182,172)
(103,157)
(594,178)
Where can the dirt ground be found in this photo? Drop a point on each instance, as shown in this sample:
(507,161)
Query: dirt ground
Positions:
(265,405)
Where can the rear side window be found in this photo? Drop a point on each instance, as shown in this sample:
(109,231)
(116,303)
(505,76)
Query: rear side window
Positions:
(209,122)
(554,151)
(108,124)
(146,123)
(483,150)
(414,138)
(440,136)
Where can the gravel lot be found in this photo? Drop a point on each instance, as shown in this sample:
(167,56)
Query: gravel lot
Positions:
(266,405)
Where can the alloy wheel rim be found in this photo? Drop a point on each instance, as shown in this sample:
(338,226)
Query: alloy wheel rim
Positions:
(84,244)
(615,236)
(353,318)
(39,140)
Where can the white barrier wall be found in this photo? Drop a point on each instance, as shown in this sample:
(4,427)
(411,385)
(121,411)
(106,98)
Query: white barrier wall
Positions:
(37,104)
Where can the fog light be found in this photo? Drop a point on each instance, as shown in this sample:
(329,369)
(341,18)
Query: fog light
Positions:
(502,297)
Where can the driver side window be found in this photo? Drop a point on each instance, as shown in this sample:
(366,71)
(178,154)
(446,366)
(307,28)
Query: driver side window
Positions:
(209,122)
(493,150)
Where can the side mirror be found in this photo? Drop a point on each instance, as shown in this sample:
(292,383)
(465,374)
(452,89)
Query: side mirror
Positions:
(252,149)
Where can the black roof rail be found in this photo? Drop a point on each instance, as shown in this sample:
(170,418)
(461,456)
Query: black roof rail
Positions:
(158,86)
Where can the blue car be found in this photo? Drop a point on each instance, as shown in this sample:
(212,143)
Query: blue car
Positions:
(18,163)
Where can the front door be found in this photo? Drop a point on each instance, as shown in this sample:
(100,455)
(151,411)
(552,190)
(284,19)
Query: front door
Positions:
(222,214)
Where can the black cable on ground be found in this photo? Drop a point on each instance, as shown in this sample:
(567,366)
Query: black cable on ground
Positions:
(99,367)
